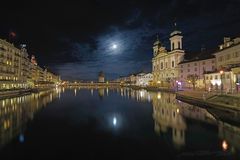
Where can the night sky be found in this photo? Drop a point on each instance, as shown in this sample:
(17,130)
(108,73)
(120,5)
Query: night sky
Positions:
(75,38)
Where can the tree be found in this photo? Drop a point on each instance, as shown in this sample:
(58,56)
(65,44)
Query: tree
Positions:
(192,78)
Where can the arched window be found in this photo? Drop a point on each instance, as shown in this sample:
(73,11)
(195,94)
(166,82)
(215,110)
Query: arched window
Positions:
(179,47)
(172,46)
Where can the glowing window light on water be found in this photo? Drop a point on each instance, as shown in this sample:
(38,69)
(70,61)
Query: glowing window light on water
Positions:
(224,145)
(159,96)
(141,94)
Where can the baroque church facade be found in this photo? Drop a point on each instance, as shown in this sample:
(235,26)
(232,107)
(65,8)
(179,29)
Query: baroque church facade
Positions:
(165,63)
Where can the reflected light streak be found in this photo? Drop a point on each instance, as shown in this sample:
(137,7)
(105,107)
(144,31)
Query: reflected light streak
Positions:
(224,145)
(75,92)
(114,121)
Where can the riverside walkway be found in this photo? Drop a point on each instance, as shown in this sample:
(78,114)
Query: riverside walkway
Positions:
(210,99)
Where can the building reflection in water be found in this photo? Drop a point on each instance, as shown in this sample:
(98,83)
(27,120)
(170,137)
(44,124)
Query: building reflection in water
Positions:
(16,112)
(170,116)
(101,93)
(230,136)
(168,119)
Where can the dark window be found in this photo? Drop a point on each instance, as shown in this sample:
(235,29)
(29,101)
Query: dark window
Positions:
(173,64)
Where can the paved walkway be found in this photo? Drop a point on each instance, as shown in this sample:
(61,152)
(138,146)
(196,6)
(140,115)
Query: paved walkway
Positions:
(203,95)
(213,98)
(200,94)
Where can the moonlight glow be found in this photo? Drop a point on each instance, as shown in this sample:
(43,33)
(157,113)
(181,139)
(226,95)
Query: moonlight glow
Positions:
(114,46)
(114,121)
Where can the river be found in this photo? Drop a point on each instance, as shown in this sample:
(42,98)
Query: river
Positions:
(114,123)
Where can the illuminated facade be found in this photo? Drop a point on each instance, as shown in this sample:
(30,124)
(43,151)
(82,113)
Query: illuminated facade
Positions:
(227,74)
(14,66)
(144,79)
(18,71)
(165,63)
(196,67)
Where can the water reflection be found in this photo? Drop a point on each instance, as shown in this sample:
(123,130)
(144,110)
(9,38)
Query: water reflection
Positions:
(16,112)
(175,118)
(182,126)
(167,117)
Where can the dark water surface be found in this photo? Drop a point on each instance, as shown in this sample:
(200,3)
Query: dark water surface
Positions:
(113,123)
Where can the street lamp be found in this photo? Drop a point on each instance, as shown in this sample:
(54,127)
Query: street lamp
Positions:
(221,73)
(178,84)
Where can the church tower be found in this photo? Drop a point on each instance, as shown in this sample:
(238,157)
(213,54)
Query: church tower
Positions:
(156,47)
(176,39)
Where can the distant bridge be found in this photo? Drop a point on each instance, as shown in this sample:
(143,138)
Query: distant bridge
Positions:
(94,84)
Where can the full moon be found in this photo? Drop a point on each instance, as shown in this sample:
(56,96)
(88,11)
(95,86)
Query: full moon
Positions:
(114,46)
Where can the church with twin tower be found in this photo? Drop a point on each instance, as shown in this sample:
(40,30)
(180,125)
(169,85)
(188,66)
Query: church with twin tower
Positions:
(165,63)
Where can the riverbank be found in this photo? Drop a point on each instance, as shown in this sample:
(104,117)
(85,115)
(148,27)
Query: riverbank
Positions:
(212,100)
(20,92)
(149,88)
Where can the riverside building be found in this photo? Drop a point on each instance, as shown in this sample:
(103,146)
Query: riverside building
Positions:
(226,77)
(17,71)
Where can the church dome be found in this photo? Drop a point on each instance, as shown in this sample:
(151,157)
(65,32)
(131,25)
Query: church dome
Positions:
(176,31)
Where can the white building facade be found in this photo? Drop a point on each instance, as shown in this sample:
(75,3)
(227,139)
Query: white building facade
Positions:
(143,79)
(227,76)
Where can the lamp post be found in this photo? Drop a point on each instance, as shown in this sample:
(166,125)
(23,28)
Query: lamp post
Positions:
(221,73)
(177,82)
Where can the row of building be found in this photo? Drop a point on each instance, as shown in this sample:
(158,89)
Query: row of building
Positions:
(218,70)
(17,70)
(138,79)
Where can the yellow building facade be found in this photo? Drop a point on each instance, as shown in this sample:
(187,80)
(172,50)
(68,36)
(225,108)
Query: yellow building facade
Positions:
(165,63)
(17,71)
(14,66)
